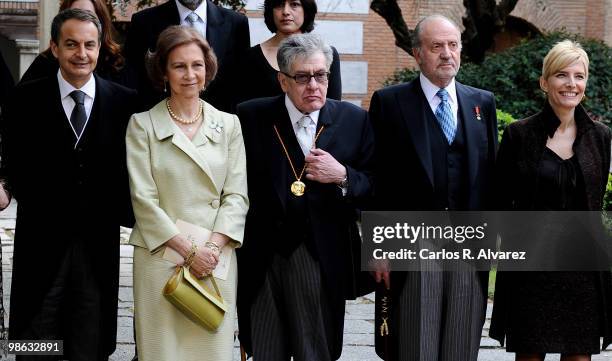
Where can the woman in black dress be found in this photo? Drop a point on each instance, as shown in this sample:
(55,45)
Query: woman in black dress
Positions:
(110,60)
(555,160)
(260,68)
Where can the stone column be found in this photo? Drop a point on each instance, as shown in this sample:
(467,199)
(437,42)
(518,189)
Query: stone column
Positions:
(47,9)
(27,50)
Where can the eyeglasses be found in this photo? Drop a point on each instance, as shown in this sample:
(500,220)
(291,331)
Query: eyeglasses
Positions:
(320,77)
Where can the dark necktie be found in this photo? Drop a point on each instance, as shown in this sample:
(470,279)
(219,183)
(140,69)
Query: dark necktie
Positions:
(78,116)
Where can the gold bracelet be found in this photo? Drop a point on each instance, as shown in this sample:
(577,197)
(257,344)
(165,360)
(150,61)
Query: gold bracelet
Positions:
(213,246)
(191,255)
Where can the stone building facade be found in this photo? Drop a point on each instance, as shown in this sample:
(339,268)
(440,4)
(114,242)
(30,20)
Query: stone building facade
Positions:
(366,44)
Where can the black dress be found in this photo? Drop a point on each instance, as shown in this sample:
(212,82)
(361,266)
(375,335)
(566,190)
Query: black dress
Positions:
(259,78)
(555,312)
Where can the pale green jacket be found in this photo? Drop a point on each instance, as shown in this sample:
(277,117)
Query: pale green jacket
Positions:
(202,181)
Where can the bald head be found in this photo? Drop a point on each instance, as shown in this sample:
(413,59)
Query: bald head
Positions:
(437,49)
(429,20)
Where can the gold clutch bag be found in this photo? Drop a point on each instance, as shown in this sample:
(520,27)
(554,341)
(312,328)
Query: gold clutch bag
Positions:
(195,299)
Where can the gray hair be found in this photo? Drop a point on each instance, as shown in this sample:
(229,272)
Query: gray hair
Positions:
(78,14)
(416,36)
(302,46)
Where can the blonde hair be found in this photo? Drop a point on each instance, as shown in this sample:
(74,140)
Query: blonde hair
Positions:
(564,54)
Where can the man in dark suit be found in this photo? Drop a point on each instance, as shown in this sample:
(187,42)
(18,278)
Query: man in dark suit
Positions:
(308,164)
(6,87)
(226,31)
(6,82)
(63,160)
(435,148)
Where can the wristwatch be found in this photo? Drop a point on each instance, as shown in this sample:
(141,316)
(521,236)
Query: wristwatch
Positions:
(344,182)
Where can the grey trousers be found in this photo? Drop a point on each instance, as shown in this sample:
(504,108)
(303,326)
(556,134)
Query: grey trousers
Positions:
(290,315)
(441,315)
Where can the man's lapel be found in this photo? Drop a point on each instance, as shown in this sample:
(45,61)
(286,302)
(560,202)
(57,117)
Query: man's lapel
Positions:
(168,16)
(216,35)
(328,118)
(414,108)
(475,129)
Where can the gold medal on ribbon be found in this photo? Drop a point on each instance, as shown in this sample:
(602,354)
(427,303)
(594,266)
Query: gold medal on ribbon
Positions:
(298,188)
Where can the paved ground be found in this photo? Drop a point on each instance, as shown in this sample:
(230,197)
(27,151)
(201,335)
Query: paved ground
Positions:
(358,326)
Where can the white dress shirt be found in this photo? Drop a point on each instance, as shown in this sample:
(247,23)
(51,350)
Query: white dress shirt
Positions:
(295,115)
(68,103)
(200,25)
(430,90)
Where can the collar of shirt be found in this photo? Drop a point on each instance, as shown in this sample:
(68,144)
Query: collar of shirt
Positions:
(66,88)
(430,90)
(68,103)
(183,12)
(295,114)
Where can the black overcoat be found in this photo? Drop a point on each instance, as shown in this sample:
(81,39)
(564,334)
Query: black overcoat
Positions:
(349,139)
(519,155)
(65,193)
(403,166)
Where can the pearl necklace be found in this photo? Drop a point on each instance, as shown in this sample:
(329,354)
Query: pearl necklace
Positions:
(181,120)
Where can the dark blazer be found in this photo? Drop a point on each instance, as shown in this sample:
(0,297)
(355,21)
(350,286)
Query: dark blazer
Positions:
(83,189)
(227,32)
(6,82)
(403,166)
(518,159)
(349,138)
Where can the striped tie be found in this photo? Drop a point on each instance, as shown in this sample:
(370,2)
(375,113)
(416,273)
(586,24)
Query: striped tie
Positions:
(192,19)
(444,114)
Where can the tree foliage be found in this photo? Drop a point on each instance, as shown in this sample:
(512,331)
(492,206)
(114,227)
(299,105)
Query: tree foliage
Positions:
(483,20)
(513,75)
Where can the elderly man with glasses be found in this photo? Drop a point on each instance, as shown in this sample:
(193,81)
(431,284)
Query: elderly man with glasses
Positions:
(308,164)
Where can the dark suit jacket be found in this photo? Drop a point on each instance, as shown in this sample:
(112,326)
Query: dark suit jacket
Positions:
(403,167)
(6,82)
(227,32)
(518,160)
(65,194)
(349,139)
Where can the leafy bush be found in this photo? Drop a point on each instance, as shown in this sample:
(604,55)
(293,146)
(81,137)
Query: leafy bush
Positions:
(513,75)
(503,120)
(607,203)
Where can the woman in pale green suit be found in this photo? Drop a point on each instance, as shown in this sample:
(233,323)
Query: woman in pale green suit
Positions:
(186,161)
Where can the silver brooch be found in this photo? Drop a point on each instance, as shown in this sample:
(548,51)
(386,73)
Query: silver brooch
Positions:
(218,126)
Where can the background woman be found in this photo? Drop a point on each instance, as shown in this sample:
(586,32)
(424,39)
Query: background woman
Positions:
(186,161)
(110,60)
(260,67)
(555,160)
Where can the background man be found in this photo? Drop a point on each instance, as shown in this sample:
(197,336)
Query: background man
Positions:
(63,159)
(435,149)
(308,164)
(226,31)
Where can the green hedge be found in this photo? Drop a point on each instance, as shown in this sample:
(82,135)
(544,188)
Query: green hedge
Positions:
(607,206)
(503,120)
(513,75)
